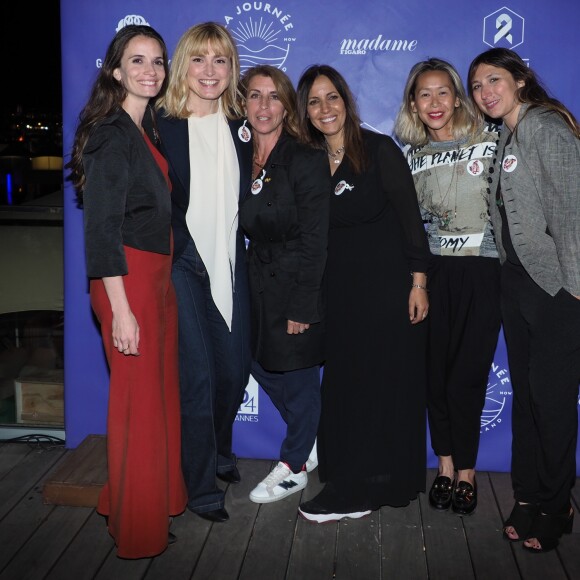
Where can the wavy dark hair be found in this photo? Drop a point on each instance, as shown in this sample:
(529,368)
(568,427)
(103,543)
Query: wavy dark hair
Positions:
(354,149)
(532,92)
(284,88)
(107,96)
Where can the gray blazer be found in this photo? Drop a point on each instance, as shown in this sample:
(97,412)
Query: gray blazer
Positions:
(542,199)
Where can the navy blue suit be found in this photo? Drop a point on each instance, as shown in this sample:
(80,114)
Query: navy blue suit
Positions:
(214,363)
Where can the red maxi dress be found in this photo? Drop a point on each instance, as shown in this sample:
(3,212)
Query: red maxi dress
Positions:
(145,483)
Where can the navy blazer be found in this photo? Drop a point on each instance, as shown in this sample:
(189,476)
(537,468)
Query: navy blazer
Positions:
(174,144)
(126,199)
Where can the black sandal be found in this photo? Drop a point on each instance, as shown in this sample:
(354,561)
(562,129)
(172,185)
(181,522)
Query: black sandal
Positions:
(521,520)
(548,529)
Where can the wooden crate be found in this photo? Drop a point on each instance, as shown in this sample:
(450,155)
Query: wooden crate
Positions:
(40,398)
(78,480)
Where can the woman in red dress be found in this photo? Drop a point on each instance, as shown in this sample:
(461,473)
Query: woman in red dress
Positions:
(122,182)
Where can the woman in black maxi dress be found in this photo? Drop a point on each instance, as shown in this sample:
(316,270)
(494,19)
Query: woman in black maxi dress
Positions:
(371,440)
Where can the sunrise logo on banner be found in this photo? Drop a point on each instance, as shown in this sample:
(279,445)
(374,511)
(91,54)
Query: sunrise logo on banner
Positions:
(503,28)
(263,33)
(249,409)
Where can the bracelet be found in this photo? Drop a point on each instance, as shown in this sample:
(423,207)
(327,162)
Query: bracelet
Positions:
(420,287)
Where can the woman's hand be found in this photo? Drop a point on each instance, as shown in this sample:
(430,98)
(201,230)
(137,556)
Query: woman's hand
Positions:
(126,333)
(125,329)
(418,298)
(297,327)
(418,305)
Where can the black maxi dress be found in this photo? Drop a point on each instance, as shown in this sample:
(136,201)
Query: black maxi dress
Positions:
(372,434)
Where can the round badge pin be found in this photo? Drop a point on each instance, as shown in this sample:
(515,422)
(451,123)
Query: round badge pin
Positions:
(509,163)
(475,168)
(244,133)
(258,183)
(340,187)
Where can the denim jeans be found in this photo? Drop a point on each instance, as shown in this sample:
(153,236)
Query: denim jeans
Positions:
(214,368)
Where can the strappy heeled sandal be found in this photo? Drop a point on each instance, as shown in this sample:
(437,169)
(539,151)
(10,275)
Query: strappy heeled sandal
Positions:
(548,529)
(521,520)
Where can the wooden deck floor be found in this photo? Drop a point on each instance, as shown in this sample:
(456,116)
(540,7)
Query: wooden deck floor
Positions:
(267,542)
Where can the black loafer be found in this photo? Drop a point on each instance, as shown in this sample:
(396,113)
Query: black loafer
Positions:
(231,476)
(219,515)
(464,499)
(441,493)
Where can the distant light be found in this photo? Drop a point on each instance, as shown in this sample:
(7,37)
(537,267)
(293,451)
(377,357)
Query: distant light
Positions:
(9,188)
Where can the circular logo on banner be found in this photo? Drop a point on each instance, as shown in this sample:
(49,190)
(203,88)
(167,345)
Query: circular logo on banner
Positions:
(509,163)
(499,388)
(131,19)
(262,32)
(475,167)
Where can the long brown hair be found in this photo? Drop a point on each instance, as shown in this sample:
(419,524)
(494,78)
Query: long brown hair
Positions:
(531,92)
(284,88)
(354,149)
(107,96)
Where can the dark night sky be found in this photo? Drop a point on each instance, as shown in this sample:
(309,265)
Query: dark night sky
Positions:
(30,40)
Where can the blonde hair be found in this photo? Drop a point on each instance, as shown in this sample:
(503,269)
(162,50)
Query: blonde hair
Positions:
(409,129)
(195,41)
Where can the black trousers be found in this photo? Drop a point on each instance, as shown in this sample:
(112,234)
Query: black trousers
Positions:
(296,395)
(464,324)
(543,342)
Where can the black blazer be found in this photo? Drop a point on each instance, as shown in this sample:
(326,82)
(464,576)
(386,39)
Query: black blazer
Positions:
(174,145)
(126,199)
(286,221)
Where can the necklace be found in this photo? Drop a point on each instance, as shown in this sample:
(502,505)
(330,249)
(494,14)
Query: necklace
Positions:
(445,213)
(335,156)
(258,164)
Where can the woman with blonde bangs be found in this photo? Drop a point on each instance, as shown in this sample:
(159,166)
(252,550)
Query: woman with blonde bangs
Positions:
(449,151)
(210,162)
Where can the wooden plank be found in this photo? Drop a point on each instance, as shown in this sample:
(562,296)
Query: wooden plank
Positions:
(313,555)
(10,455)
(43,548)
(180,559)
(273,532)
(86,552)
(358,549)
(445,542)
(50,542)
(25,474)
(79,479)
(483,530)
(531,566)
(403,553)
(223,554)
(21,522)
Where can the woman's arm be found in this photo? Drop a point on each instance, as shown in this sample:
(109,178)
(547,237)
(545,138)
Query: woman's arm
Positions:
(125,326)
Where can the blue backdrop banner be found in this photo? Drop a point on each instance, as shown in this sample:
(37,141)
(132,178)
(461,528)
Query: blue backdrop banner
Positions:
(374,44)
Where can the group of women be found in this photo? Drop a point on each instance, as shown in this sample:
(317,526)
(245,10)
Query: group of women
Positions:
(347,235)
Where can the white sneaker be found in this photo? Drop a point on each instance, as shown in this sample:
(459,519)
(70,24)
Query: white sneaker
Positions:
(280,483)
(312,461)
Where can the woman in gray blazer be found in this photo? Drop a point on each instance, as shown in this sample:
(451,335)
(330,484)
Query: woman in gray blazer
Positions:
(535,211)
